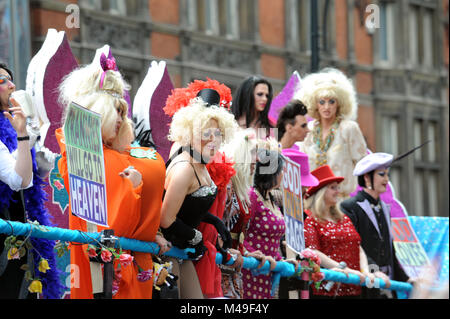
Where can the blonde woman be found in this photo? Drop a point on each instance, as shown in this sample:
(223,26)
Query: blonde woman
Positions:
(242,150)
(198,131)
(335,139)
(134,184)
(332,235)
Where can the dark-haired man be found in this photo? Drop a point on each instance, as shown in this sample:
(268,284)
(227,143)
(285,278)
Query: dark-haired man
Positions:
(292,124)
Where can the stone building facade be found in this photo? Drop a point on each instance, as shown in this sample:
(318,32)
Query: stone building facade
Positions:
(400,68)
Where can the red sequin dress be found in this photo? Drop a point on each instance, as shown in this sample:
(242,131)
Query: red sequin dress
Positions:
(265,230)
(339,241)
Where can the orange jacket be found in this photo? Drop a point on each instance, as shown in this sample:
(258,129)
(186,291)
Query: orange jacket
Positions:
(132,213)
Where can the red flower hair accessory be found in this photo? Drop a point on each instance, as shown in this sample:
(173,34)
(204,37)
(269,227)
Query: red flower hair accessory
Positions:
(221,170)
(181,97)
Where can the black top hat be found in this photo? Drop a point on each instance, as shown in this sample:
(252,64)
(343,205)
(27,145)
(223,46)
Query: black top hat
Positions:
(210,96)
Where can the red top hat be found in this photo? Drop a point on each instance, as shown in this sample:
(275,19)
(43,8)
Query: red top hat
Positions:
(325,176)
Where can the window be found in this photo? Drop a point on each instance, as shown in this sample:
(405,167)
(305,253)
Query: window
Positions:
(207,14)
(391,145)
(228,18)
(233,19)
(116,7)
(15,43)
(246,19)
(421,33)
(387,32)
(426,168)
(303,25)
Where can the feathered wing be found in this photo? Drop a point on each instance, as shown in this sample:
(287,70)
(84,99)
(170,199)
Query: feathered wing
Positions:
(283,98)
(148,113)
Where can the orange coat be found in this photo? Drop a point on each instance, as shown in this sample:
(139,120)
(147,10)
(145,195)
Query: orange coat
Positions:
(132,213)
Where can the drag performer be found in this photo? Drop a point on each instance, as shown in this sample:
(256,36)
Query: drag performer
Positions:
(242,150)
(251,104)
(22,199)
(332,235)
(372,219)
(335,138)
(266,226)
(292,124)
(197,131)
(134,182)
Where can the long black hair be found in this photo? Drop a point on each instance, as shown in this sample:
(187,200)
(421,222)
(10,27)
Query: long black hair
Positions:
(269,165)
(244,102)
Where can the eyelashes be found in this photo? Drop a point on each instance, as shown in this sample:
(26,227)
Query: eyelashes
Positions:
(331,101)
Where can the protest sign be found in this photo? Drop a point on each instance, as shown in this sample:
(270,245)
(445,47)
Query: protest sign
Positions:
(292,205)
(82,133)
(408,249)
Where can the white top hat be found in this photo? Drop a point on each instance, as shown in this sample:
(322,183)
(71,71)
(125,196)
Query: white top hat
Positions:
(372,162)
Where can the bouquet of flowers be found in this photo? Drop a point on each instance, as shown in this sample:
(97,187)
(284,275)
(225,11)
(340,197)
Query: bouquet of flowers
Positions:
(310,263)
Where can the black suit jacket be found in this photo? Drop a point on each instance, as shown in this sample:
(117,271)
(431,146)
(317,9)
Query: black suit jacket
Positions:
(358,209)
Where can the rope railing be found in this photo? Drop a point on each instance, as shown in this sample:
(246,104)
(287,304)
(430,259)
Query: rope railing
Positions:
(282,269)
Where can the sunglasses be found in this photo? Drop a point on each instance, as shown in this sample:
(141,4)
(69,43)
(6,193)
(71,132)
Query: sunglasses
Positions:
(4,79)
(206,135)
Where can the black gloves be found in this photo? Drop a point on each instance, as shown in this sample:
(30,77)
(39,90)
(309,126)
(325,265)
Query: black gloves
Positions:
(200,250)
(221,229)
(184,236)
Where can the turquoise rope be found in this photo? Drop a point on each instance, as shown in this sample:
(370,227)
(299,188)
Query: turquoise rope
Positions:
(282,269)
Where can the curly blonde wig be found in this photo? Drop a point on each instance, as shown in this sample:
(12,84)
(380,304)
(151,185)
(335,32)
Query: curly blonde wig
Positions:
(189,122)
(82,86)
(329,83)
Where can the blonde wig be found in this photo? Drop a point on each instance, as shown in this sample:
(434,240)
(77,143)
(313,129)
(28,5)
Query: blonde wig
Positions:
(241,150)
(329,83)
(188,122)
(316,204)
(82,86)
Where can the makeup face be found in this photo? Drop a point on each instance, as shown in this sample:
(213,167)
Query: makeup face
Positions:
(380,180)
(6,88)
(331,194)
(261,95)
(211,139)
(300,129)
(327,108)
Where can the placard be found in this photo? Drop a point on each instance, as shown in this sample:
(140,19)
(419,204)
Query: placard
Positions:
(292,205)
(408,249)
(82,133)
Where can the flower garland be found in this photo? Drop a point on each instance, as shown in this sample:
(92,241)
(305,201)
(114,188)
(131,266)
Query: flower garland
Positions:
(310,263)
(34,197)
(103,254)
(324,145)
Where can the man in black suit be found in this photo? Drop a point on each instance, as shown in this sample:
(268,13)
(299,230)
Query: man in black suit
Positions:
(371,218)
